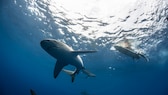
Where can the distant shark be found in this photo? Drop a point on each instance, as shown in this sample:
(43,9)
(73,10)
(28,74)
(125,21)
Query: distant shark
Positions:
(32,92)
(130,52)
(65,55)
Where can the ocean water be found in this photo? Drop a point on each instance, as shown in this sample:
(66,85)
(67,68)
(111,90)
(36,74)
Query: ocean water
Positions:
(24,65)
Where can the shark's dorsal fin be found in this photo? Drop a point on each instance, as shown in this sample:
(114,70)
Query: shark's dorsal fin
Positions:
(83,52)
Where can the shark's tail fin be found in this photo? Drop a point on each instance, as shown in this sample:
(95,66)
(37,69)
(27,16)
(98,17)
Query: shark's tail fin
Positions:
(89,74)
(71,73)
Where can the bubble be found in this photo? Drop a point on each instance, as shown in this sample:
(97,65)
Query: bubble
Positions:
(112,68)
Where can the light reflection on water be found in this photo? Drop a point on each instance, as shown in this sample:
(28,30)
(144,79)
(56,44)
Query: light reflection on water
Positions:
(143,22)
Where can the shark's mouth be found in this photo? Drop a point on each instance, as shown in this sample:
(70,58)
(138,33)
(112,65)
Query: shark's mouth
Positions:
(48,48)
(51,47)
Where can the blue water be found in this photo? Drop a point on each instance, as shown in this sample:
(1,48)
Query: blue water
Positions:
(24,65)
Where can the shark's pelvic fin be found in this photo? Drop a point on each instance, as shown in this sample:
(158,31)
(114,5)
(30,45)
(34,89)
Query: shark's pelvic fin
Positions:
(71,73)
(83,52)
(58,68)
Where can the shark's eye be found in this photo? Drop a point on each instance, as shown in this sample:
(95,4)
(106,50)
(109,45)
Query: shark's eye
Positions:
(55,41)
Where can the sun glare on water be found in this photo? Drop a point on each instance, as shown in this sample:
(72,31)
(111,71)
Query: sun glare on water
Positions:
(103,21)
(95,8)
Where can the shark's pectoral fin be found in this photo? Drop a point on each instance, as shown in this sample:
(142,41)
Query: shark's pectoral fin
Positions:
(58,68)
(71,73)
(89,74)
(146,58)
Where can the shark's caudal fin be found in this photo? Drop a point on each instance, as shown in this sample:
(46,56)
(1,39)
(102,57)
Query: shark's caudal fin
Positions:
(83,52)
(71,73)
(89,74)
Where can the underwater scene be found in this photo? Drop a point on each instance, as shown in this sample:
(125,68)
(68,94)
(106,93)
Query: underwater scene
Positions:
(84,47)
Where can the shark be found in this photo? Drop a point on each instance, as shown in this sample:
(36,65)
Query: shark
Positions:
(66,55)
(32,92)
(130,52)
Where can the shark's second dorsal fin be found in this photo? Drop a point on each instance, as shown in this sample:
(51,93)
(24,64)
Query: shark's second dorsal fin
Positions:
(83,52)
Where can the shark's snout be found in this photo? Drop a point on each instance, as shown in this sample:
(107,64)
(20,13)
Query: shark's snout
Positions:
(44,41)
(48,44)
(45,44)
(41,43)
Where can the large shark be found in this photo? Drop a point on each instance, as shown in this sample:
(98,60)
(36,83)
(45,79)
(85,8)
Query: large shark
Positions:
(65,55)
(130,52)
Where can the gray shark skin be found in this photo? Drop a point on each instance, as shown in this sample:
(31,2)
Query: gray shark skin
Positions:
(65,55)
(130,52)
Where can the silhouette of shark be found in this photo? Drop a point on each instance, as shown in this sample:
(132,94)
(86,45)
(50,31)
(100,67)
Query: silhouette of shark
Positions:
(125,48)
(65,55)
